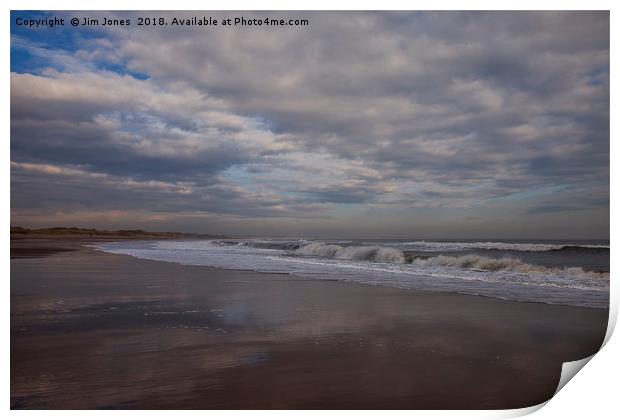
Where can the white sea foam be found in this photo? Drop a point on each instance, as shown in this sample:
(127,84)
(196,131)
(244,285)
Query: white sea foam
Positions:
(501,246)
(476,262)
(364,253)
(506,278)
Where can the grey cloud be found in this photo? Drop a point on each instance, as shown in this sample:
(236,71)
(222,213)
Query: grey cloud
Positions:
(444,108)
(61,189)
(553,208)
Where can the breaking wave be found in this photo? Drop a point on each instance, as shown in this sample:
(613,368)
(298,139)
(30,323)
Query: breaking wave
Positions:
(383,264)
(470,262)
(362,253)
(499,246)
(476,262)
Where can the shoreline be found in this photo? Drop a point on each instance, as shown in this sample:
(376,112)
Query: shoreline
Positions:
(285,338)
(413,290)
(301,276)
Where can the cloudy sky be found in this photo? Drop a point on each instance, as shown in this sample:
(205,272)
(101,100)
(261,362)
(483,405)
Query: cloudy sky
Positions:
(422,125)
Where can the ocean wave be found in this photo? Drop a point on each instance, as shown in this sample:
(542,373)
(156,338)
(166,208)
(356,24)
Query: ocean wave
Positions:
(363,253)
(476,262)
(499,246)
(423,246)
(262,244)
(505,278)
(228,242)
(469,262)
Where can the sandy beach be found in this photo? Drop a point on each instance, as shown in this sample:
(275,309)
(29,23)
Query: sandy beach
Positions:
(96,330)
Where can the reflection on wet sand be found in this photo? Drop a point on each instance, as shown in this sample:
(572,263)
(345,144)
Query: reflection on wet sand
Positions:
(95,330)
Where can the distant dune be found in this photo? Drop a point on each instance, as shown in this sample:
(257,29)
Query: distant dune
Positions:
(74,232)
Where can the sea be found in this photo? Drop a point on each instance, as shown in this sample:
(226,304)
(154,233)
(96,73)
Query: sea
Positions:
(574,272)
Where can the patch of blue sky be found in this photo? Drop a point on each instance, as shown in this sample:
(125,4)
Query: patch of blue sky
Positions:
(122,70)
(261,123)
(599,77)
(32,48)
(281,179)
(239,176)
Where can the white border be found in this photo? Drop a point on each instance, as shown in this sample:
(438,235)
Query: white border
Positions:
(310,5)
(593,393)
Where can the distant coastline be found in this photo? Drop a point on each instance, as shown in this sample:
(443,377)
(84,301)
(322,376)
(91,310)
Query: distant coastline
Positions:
(18,232)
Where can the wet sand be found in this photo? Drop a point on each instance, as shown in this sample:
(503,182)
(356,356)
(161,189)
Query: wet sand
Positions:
(97,330)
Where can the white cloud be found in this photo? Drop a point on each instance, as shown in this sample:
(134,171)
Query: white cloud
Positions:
(377,110)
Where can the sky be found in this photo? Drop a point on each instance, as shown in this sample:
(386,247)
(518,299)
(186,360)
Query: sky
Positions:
(375,124)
